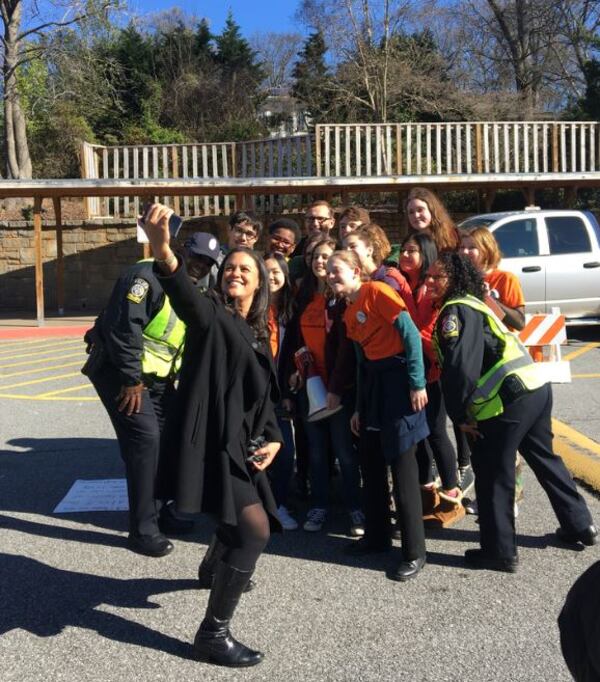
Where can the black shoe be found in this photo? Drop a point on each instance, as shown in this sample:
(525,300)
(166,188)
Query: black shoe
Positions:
(213,641)
(408,569)
(150,545)
(588,536)
(169,524)
(206,570)
(477,558)
(363,547)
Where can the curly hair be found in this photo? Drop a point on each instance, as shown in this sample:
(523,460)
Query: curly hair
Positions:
(442,227)
(463,277)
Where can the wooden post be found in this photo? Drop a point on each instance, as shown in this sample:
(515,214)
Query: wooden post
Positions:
(39,272)
(60,266)
(488,199)
(555,147)
(478,149)
(175,174)
(529,193)
(570,196)
(318,149)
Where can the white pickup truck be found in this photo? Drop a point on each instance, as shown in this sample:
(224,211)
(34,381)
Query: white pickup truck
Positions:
(556,256)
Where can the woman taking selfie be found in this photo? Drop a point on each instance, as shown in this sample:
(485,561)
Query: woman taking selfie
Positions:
(224,434)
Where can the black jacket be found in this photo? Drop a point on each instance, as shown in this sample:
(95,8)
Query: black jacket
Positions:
(226,394)
(135,299)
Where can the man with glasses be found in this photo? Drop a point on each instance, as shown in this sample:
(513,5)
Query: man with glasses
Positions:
(319,217)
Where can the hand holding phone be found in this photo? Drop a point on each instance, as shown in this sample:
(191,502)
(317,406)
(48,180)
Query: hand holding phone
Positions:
(175,222)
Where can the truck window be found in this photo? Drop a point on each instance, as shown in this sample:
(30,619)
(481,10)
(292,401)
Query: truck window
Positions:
(567,234)
(518,238)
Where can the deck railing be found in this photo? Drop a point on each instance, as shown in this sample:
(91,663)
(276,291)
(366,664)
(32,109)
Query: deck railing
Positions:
(347,150)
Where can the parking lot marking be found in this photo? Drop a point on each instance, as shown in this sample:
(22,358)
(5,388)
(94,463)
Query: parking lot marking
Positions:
(35,362)
(41,381)
(60,391)
(580,351)
(564,430)
(65,345)
(26,342)
(580,453)
(585,376)
(18,396)
(49,368)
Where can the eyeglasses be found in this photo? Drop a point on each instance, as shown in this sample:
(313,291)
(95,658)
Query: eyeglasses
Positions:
(318,219)
(250,235)
(281,240)
(410,251)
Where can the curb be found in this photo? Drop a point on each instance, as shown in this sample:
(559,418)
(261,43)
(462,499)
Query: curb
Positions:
(580,454)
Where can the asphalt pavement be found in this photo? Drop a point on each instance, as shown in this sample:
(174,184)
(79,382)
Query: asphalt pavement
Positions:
(77,605)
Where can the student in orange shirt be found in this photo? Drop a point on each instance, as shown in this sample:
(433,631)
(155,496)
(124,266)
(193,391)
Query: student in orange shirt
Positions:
(390,416)
(318,325)
(417,253)
(281,311)
(504,288)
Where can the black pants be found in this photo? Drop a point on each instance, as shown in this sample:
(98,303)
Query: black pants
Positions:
(437,444)
(524,425)
(139,438)
(376,496)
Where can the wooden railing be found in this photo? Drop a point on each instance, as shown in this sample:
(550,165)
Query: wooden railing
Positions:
(447,148)
(346,150)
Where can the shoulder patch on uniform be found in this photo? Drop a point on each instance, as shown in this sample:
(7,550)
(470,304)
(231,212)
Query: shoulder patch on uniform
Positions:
(138,290)
(450,327)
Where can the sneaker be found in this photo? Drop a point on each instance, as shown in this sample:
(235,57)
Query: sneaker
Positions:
(287,521)
(466,479)
(315,520)
(357,523)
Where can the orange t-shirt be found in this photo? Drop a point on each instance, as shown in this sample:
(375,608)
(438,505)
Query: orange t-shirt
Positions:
(314,332)
(370,318)
(273,324)
(508,287)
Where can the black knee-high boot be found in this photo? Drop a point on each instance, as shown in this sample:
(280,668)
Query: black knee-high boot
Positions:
(213,641)
(206,570)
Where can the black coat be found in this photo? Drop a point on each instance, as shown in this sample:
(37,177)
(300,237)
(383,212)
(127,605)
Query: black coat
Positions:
(227,390)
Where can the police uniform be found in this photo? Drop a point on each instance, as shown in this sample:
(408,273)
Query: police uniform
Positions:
(139,340)
(489,378)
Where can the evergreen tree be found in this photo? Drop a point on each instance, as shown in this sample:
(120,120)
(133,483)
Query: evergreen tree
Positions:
(312,78)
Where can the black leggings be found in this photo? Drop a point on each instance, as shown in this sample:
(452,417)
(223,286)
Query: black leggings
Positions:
(437,443)
(247,540)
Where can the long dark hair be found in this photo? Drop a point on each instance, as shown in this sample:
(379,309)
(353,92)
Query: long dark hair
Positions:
(429,253)
(463,277)
(286,303)
(257,315)
(310,284)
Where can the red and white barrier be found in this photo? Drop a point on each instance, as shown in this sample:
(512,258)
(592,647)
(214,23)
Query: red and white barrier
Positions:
(543,336)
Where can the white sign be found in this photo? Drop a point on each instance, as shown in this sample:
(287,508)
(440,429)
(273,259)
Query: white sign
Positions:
(109,494)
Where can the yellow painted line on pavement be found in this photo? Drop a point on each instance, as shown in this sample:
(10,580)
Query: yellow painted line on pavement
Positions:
(46,351)
(580,351)
(35,362)
(42,369)
(17,396)
(42,380)
(580,453)
(63,390)
(585,376)
(17,343)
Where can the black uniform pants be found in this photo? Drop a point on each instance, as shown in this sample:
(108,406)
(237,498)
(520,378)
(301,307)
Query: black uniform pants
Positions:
(377,500)
(524,425)
(139,441)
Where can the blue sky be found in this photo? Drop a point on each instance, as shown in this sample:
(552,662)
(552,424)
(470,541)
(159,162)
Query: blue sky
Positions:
(251,15)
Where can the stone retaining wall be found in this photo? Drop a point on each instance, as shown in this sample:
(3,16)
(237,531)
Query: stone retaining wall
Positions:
(95,253)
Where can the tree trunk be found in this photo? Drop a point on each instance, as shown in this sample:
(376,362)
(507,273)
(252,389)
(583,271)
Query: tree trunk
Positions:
(18,160)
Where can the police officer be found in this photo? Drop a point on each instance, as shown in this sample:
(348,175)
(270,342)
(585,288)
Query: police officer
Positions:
(136,346)
(496,394)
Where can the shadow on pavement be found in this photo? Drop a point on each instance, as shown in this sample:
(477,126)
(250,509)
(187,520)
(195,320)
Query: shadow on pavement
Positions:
(45,600)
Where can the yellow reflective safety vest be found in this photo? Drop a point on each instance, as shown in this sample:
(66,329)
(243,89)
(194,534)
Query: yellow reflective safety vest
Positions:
(163,342)
(485,401)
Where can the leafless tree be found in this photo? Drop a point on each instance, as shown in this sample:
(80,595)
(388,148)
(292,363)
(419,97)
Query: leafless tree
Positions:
(26,27)
(277,53)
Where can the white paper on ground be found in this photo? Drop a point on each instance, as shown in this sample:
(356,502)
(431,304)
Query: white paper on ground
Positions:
(109,494)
